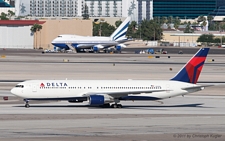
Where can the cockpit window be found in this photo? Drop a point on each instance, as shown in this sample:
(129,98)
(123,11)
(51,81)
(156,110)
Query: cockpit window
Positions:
(19,86)
(60,36)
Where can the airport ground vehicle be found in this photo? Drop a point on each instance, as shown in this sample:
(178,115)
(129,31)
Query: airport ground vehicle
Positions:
(161,51)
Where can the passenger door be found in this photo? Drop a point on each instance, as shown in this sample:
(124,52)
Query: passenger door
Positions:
(168,88)
(34,88)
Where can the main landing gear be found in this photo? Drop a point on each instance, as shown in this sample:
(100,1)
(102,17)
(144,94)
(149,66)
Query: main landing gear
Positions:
(116,106)
(26,103)
(111,106)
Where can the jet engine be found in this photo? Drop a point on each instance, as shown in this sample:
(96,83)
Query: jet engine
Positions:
(119,47)
(100,99)
(96,48)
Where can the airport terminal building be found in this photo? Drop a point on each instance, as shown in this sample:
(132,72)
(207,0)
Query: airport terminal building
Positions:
(17,33)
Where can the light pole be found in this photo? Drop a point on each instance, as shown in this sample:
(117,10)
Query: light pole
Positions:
(221,40)
(100,29)
(140,30)
(154,34)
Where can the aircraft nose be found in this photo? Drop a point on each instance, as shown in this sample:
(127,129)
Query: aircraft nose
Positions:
(13,91)
(53,41)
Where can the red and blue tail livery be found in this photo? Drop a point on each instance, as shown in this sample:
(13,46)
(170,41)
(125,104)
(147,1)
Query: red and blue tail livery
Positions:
(192,69)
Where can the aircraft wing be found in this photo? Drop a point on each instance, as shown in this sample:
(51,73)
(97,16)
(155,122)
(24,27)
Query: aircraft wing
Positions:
(101,46)
(122,94)
(85,96)
(75,99)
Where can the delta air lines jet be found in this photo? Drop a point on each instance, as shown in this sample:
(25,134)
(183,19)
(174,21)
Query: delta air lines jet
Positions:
(104,92)
(94,43)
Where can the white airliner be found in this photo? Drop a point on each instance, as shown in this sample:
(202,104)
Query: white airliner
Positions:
(95,43)
(104,92)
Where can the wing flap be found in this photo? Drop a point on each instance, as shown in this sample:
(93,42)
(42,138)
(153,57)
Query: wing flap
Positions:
(125,93)
(61,98)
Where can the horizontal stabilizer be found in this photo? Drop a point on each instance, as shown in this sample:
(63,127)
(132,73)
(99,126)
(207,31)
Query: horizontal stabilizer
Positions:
(196,87)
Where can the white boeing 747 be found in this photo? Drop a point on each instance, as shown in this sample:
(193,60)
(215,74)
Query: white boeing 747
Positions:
(95,43)
(104,92)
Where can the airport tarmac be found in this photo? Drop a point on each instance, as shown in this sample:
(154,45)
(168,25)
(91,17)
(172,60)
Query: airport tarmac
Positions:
(181,118)
(198,116)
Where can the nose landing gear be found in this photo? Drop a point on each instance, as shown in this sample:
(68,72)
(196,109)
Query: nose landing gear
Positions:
(26,103)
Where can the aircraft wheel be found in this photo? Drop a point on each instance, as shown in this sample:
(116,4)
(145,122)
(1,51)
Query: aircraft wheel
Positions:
(27,105)
(106,105)
(114,105)
(119,106)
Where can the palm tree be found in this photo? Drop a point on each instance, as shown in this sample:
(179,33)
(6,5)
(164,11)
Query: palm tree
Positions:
(176,25)
(188,28)
(132,30)
(118,23)
(3,16)
(210,18)
(157,19)
(222,27)
(34,29)
(10,14)
(217,26)
(170,19)
(164,20)
(201,18)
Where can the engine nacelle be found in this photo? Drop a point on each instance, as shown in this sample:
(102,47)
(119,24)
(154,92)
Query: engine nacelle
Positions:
(100,99)
(96,48)
(96,100)
(120,47)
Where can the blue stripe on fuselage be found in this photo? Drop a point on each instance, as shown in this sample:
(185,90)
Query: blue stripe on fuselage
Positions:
(63,45)
(60,45)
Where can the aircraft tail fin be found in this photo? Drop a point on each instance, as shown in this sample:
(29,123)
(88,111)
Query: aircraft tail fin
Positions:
(120,32)
(192,69)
